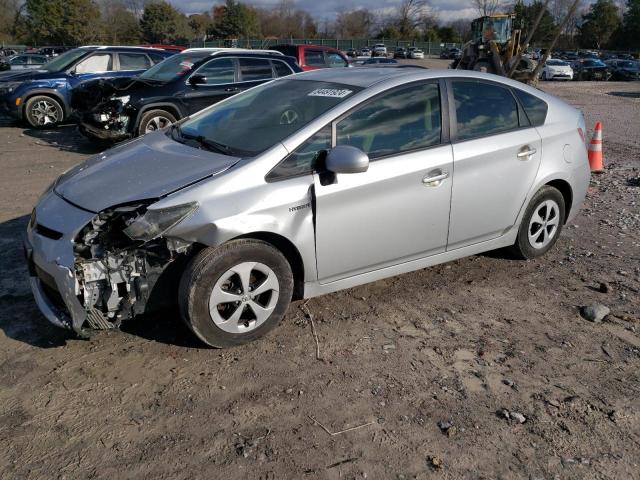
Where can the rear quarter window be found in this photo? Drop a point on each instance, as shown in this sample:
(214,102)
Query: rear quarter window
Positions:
(535,108)
(282,69)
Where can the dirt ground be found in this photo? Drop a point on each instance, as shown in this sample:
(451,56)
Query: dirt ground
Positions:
(421,367)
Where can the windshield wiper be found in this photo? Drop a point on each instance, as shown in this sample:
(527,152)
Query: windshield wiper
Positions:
(203,141)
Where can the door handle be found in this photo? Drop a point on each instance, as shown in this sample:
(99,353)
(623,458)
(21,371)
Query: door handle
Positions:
(231,89)
(435,178)
(525,152)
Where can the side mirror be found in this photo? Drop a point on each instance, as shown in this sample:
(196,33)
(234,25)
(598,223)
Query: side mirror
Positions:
(346,159)
(197,80)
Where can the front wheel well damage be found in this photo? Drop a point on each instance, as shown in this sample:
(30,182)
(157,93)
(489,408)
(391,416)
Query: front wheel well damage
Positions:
(291,253)
(567,194)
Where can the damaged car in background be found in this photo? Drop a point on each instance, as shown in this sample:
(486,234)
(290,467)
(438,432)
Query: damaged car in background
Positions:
(116,109)
(303,186)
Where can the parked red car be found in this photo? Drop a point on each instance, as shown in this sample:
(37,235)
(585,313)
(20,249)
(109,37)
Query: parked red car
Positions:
(312,57)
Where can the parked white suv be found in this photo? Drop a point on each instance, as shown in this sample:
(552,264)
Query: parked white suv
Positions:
(379,50)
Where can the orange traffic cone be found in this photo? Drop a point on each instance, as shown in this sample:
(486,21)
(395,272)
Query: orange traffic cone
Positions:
(595,150)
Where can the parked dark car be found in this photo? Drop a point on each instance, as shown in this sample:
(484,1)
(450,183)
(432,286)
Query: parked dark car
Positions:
(352,52)
(401,52)
(312,57)
(376,61)
(451,53)
(53,51)
(22,62)
(590,69)
(624,70)
(42,97)
(114,110)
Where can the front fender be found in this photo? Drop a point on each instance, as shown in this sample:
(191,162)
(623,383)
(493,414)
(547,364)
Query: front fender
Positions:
(42,88)
(240,203)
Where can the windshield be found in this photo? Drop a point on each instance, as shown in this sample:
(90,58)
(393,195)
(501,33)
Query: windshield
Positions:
(64,61)
(594,63)
(251,122)
(558,63)
(174,67)
(627,65)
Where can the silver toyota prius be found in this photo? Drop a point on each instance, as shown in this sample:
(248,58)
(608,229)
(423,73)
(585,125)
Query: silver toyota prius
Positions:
(300,187)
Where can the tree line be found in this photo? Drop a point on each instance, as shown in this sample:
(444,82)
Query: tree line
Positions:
(603,24)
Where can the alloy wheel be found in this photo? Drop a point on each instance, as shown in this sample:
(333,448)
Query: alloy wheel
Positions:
(45,112)
(543,225)
(157,123)
(244,297)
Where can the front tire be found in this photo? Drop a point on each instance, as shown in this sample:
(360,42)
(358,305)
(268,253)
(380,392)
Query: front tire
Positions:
(235,293)
(43,111)
(541,224)
(154,120)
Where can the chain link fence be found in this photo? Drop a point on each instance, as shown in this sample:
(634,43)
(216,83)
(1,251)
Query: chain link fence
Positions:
(429,48)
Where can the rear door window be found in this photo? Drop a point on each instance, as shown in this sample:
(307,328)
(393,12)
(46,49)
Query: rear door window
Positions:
(252,69)
(314,58)
(217,72)
(134,61)
(483,109)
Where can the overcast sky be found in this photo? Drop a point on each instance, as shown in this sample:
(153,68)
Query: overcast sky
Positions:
(327,9)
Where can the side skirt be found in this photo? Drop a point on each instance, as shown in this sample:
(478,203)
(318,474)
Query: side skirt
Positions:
(315,289)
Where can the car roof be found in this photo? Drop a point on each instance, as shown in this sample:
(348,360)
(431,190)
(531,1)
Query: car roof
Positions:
(214,51)
(307,45)
(111,48)
(366,77)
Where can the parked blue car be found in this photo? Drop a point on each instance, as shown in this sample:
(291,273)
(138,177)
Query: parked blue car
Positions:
(42,97)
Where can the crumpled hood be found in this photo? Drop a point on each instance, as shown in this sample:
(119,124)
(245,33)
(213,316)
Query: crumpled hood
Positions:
(91,93)
(146,168)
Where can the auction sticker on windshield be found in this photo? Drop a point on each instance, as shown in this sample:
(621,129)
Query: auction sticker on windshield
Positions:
(330,92)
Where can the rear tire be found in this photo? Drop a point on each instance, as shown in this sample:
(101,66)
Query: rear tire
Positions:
(235,293)
(541,224)
(43,111)
(154,120)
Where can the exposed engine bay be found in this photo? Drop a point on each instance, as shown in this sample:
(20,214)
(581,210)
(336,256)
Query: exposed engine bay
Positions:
(104,106)
(117,274)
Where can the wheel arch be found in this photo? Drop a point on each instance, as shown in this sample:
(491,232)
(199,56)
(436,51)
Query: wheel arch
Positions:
(291,253)
(172,108)
(57,96)
(567,194)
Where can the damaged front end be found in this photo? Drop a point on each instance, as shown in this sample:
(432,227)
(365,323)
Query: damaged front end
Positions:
(124,265)
(104,108)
